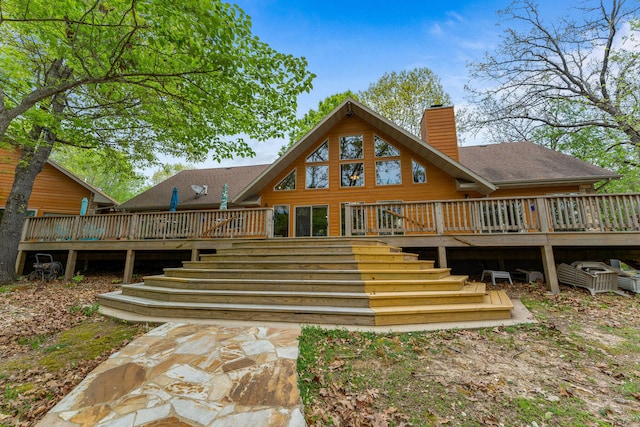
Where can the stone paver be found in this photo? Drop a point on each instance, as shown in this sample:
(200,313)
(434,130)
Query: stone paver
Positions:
(191,375)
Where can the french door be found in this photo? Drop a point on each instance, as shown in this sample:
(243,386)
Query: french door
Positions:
(312,220)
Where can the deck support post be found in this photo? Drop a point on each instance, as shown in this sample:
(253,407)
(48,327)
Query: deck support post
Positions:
(70,269)
(442,256)
(195,254)
(20,261)
(128,266)
(549,263)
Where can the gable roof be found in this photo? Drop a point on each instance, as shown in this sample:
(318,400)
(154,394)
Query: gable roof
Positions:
(517,164)
(99,196)
(349,108)
(159,196)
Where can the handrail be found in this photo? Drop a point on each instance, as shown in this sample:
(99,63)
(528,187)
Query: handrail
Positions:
(151,225)
(561,213)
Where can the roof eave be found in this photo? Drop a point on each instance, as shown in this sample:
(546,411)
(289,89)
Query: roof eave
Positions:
(351,107)
(554,181)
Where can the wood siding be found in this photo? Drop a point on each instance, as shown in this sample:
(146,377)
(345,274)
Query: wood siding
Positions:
(439,185)
(53,191)
(438,129)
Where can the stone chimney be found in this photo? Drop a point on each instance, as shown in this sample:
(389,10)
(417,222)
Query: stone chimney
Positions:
(438,129)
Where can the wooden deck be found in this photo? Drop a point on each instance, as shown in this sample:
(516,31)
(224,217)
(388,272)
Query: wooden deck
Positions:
(586,221)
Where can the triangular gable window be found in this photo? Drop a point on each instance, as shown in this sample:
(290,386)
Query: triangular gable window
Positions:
(287,183)
(384,149)
(321,154)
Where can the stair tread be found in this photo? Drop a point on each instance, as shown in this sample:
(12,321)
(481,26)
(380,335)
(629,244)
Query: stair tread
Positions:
(117,295)
(469,289)
(306,281)
(491,302)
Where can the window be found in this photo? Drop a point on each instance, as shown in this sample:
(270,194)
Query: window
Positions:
(384,149)
(419,172)
(388,172)
(281,221)
(317,176)
(287,183)
(351,147)
(352,174)
(321,154)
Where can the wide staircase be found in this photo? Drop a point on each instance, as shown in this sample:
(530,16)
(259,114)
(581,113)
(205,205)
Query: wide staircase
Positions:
(319,281)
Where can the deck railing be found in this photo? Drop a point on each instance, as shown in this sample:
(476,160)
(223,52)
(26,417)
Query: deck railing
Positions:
(579,213)
(238,223)
(586,213)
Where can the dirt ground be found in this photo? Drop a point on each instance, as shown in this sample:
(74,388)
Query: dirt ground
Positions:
(584,349)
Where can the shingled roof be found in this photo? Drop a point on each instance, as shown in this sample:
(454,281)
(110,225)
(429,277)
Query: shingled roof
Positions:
(159,196)
(520,164)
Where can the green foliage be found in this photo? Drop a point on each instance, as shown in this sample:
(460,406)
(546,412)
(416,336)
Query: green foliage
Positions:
(303,125)
(77,278)
(146,77)
(104,168)
(402,97)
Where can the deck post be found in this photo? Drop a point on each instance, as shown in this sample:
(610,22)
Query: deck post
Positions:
(442,256)
(128,266)
(549,263)
(268,223)
(543,215)
(439,213)
(70,269)
(20,261)
(195,254)
(348,220)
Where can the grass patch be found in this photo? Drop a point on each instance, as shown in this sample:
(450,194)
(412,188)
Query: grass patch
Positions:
(86,341)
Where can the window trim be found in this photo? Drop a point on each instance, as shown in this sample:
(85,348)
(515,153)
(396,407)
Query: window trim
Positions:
(413,181)
(350,159)
(295,182)
(388,159)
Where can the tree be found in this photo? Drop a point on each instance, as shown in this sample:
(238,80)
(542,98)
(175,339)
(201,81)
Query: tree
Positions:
(573,85)
(106,169)
(303,125)
(139,76)
(402,97)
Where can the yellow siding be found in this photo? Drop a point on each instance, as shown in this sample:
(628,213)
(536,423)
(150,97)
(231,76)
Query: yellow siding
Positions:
(53,191)
(439,185)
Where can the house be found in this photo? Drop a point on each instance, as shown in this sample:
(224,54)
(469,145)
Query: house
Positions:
(56,191)
(356,156)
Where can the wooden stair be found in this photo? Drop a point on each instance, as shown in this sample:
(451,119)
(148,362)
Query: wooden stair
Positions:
(321,281)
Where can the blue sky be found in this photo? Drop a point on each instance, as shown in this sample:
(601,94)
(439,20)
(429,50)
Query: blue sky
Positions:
(350,44)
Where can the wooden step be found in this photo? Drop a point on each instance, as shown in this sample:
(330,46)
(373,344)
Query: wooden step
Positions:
(302,242)
(450,283)
(299,264)
(213,273)
(313,314)
(251,312)
(315,257)
(309,280)
(286,249)
(468,294)
(496,306)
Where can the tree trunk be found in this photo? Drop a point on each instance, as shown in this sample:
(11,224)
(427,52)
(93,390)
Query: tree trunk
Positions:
(29,166)
(32,159)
